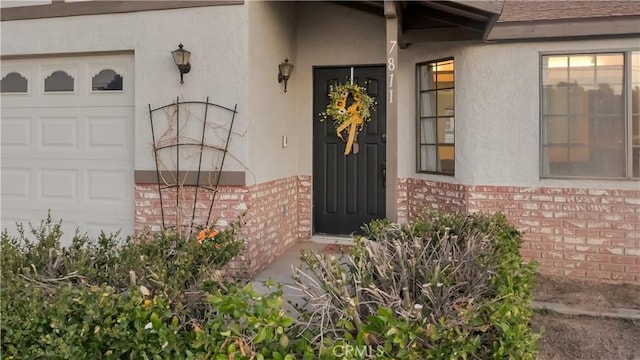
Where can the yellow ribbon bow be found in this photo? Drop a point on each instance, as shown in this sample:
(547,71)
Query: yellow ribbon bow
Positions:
(354,120)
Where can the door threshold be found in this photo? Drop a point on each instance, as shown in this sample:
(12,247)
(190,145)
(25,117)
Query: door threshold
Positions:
(332,239)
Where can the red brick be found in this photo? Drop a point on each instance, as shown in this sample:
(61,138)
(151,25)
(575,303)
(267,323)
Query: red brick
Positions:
(624,209)
(551,206)
(563,231)
(587,265)
(599,274)
(623,243)
(623,277)
(587,232)
(631,235)
(612,250)
(551,255)
(564,247)
(587,216)
(632,269)
(551,271)
(611,233)
(598,241)
(577,256)
(530,254)
(598,225)
(541,246)
(611,267)
(627,260)
(624,226)
(599,258)
(575,240)
(574,273)
(589,249)
(574,223)
(551,191)
(541,198)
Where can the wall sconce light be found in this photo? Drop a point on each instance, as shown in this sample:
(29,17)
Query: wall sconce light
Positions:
(284,72)
(181,58)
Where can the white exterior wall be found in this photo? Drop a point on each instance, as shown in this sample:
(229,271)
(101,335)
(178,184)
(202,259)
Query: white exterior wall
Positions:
(497,91)
(328,35)
(216,36)
(272,38)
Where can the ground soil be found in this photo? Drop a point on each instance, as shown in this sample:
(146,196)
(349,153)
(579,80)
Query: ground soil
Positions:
(582,337)
(589,295)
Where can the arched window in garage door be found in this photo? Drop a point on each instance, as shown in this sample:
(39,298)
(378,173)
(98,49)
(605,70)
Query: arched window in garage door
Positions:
(13,83)
(58,81)
(106,80)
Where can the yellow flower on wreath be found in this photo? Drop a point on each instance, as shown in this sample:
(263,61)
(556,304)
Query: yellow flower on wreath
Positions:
(352,118)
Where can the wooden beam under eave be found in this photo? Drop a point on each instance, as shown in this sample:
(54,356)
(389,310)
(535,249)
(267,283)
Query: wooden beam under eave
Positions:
(441,34)
(393,10)
(491,6)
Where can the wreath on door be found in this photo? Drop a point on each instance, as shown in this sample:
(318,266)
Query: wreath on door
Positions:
(350,108)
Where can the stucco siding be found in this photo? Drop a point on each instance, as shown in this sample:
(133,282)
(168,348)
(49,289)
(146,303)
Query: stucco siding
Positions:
(272,38)
(216,36)
(497,132)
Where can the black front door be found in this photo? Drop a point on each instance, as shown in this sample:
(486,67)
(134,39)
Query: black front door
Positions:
(348,190)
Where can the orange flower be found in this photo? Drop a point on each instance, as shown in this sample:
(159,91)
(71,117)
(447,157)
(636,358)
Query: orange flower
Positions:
(213,233)
(201,236)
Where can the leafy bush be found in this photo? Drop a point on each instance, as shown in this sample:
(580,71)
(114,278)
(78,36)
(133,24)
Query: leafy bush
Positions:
(148,297)
(443,287)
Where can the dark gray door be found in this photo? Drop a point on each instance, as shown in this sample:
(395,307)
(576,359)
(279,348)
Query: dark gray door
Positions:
(348,190)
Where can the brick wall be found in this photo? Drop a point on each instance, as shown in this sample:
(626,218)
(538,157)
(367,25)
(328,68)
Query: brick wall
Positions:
(278,214)
(573,232)
(415,195)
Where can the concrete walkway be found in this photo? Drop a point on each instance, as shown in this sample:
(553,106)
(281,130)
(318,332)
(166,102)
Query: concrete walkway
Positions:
(280,270)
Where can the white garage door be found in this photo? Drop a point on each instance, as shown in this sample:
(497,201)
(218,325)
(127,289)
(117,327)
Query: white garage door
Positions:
(67,129)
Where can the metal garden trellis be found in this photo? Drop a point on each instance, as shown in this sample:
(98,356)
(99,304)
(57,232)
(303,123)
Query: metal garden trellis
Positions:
(211,188)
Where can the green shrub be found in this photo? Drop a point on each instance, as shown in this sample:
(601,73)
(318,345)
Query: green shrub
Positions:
(443,287)
(155,297)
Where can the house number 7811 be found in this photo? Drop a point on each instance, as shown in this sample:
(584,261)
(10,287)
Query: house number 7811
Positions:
(391,67)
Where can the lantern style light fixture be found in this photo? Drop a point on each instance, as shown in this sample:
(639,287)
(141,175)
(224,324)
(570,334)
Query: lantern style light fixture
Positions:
(284,72)
(181,58)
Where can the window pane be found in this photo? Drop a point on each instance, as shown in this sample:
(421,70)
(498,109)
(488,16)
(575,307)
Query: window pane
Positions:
(557,130)
(556,100)
(58,81)
(445,130)
(428,158)
(106,80)
(13,83)
(427,78)
(428,131)
(428,104)
(444,74)
(583,117)
(445,102)
(446,157)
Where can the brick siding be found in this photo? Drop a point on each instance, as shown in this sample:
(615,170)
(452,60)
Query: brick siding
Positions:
(278,214)
(572,232)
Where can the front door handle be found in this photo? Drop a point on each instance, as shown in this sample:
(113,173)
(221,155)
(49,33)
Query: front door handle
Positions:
(384,175)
